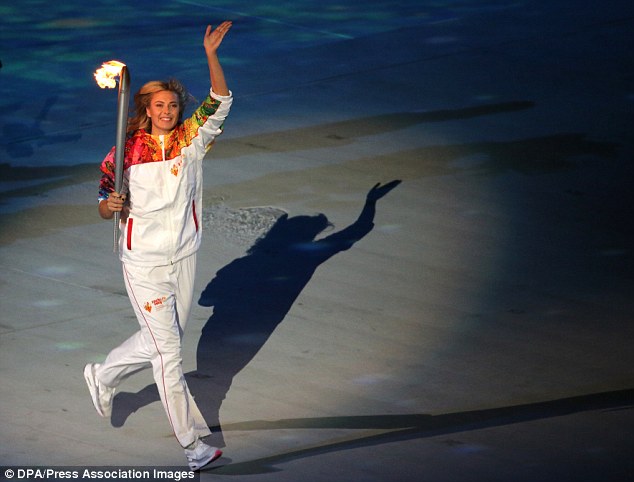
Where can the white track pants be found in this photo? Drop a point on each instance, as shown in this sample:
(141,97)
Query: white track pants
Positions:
(161,297)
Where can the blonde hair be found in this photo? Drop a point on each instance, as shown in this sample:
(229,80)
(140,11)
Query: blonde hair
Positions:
(143,97)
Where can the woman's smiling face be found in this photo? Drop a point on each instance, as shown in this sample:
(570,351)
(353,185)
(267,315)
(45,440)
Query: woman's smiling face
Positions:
(163,112)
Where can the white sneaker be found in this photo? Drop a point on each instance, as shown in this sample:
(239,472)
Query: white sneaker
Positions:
(201,454)
(101,394)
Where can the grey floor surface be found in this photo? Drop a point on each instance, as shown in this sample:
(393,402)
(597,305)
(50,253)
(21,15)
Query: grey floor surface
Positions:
(480,330)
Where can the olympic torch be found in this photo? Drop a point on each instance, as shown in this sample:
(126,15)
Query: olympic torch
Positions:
(105,77)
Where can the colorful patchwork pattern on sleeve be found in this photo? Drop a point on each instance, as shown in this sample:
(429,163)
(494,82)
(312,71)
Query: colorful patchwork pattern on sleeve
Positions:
(106,184)
(142,148)
(198,118)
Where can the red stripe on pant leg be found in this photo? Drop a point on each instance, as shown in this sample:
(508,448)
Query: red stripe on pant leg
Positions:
(169,416)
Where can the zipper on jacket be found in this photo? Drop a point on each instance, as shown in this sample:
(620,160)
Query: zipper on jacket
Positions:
(168,213)
(162,141)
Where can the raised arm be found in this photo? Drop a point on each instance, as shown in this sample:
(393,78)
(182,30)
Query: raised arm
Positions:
(345,238)
(212,40)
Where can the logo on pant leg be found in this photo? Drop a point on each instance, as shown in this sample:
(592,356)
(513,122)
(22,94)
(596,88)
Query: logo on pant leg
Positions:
(158,304)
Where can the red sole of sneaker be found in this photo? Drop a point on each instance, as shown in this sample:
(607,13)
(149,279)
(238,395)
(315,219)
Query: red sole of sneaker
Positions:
(216,456)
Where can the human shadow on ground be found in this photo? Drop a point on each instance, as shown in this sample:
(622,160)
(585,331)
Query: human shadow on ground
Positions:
(394,428)
(250,297)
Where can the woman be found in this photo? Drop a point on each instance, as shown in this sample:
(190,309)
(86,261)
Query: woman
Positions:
(160,211)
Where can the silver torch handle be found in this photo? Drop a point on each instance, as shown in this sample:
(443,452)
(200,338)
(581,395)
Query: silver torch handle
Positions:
(122,124)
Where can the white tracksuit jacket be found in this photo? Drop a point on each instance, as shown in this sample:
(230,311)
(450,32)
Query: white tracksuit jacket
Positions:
(163,178)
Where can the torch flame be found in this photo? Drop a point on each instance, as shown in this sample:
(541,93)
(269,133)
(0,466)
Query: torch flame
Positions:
(105,76)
